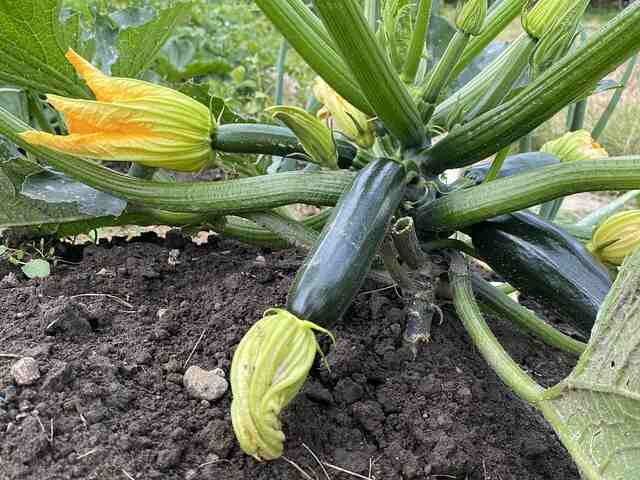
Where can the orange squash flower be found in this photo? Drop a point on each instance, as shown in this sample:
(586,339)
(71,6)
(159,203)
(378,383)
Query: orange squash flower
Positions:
(132,121)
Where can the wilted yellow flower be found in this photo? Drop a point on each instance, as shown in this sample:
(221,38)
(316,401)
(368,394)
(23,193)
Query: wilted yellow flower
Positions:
(268,370)
(131,120)
(347,118)
(617,237)
(573,146)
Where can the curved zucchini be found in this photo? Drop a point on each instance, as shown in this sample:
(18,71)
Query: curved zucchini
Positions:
(265,139)
(335,269)
(543,261)
(513,165)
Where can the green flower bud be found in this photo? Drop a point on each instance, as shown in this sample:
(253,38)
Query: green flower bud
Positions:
(268,370)
(471,16)
(617,237)
(315,137)
(554,44)
(541,15)
(574,146)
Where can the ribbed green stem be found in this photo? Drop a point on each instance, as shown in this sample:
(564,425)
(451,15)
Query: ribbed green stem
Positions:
(418,41)
(310,39)
(372,12)
(579,113)
(378,80)
(496,165)
(216,198)
(503,305)
(597,216)
(294,233)
(570,78)
(249,232)
(615,99)
(262,139)
(441,74)
(499,17)
(484,340)
(471,93)
(504,195)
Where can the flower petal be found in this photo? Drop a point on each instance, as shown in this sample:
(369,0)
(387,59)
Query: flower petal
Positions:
(145,149)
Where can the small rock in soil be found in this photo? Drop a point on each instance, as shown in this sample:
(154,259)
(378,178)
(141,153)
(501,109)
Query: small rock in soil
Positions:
(67,317)
(205,385)
(25,371)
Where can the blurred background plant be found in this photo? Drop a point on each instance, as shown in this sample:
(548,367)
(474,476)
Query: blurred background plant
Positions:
(231,40)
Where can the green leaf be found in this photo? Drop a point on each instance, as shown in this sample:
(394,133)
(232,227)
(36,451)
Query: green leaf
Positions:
(37,268)
(138,46)
(32,48)
(32,196)
(596,410)
(3,249)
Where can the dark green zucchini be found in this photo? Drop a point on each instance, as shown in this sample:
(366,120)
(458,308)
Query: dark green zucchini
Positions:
(335,269)
(264,139)
(545,262)
(512,165)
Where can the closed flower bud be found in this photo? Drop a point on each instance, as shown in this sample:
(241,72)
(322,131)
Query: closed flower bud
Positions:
(541,15)
(617,237)
(315,137)
(268,370)
(347,119)
(130,121)
(574,146)
(471,16)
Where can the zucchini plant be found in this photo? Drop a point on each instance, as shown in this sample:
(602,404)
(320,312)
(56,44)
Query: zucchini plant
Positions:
(395,118)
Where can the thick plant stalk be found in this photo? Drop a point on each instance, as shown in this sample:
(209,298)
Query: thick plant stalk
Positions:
(504,195)
(569,79)
(615,99)
(499,17)
(278,97)
(289,230)
(496,165)
(378,80)
(500,303)
(418,41)
(484,340)
(441,74)
(216,198)
(309,38)
(517,53)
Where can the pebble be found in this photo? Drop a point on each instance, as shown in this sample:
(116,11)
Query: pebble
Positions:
(175,239)
(205,385)
(25,371)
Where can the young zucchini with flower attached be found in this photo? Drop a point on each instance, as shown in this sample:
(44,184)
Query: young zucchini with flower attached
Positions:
(274,357)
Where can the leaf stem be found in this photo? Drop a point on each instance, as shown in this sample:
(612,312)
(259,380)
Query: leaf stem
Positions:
(484,340)
(418,41)
(503,305)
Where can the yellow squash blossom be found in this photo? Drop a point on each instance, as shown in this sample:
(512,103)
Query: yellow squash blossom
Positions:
(573,146)
(348,119)
(617,237)
(132,121)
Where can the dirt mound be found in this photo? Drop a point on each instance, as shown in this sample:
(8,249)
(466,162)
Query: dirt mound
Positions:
(110,401)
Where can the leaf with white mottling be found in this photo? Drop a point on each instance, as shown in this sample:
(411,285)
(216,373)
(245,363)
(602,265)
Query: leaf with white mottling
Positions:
(596,410)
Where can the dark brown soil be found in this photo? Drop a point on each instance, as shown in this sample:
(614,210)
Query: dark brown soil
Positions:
(110,403)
